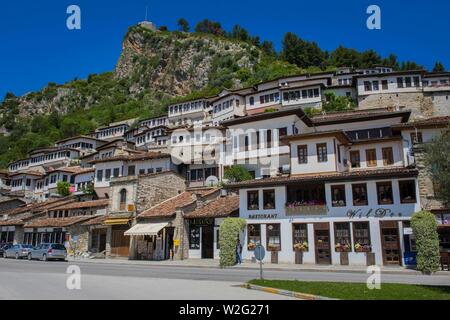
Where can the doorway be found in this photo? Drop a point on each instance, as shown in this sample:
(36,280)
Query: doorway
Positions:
(390,243)
(169,242)
(120,244)
(208,242)
(322,243)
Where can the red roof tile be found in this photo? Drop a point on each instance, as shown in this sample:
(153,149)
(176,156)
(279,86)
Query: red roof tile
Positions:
(57,222)
(168,208)
(220,207)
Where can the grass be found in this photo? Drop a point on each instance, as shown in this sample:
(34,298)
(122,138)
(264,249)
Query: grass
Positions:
(359,291)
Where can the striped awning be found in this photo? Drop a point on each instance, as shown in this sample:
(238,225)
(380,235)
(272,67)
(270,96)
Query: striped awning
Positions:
(145,229)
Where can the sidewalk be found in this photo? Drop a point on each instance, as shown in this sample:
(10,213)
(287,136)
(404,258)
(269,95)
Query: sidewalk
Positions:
(209,263)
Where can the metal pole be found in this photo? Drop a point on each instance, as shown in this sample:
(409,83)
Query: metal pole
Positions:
(260,269)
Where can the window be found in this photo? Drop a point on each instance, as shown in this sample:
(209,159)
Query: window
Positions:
(342,237)
(107,174)
(194,237)
(399,82)
(384,85)
(300,236)
(273,237)
(99,175)
(302,154)
(122,199)
(359,194)
(116,172)
(131,170)
(407,191)
(252,101)
(376,86)
(252,200)
(355,159)
(64,178)
(384,192)
(367,86)
(253,236)
(416,81)
(268,199)
(322,154)
(361,236)
(371,157)
(408,82)
(338,196)
(28,182)
(388,156)
(269,139)
(416,137)
(141,171)
(282,132)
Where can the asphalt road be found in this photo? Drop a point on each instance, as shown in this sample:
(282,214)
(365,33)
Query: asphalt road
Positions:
(22,279)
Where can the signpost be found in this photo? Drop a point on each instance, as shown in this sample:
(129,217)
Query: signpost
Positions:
(259,253)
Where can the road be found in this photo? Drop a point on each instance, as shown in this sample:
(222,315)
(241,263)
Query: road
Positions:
(22,279)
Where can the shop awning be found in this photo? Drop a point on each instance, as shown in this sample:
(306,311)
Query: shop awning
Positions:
(145,229)
(116,221)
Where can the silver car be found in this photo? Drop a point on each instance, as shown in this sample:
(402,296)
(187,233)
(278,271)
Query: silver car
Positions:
(48,251)
(18,251)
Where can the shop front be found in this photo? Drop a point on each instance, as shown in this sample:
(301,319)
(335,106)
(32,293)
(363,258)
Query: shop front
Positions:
(203,238)
(7,234)
(117,244)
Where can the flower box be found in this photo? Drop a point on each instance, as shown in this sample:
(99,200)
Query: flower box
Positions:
(306,210)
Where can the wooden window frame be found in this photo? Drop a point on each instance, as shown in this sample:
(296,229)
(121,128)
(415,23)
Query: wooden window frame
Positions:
(321,158)
(353,195)
(341,187)
(248,199)
(349,240)
(372,162)
(304,158)
(268,236)
(388,161)
(300,239)
(265,192)
(400,183)
(358,164)
(382,184)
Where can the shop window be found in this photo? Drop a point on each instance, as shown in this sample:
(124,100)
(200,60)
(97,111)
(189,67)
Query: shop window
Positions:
(254,236)
(273,237)
(302,154)
(384,193)
(342,237)
(194,237)
(338,196)
(269,199)
(300,236)
(388,156)
(322,153)
(407,191)
(252,200)
(355,159)
(371,157)
(361,236)
(359,194)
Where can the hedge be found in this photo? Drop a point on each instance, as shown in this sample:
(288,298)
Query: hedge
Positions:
(228,235)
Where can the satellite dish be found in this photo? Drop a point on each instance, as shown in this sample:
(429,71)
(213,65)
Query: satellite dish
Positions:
(212,181)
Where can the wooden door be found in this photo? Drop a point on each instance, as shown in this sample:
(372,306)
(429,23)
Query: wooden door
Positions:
(322,243)
(390,243)
(120,244)
(208,242)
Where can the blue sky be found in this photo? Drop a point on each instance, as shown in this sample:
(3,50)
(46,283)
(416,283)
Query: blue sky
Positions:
(37,48)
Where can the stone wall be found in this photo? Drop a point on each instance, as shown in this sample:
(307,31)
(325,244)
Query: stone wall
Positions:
(156,188)
(82,245)
(426,189)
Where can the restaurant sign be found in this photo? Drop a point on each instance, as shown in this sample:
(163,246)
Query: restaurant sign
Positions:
(199,222)
(374,213)
(263,216)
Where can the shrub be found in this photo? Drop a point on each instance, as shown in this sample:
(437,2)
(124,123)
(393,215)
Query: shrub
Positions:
(228,235)
(63,188)
(424,228)
(237,173)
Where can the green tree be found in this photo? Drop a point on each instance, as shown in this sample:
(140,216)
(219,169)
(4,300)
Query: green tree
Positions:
(438,163)
(424,228)
(369,58)
(268,48)
(63,188)
(438,67)
(237,173)
(228,236)
(211,27)
(410,65)
(337,103)
(302,53)
(183,25)
(345,57)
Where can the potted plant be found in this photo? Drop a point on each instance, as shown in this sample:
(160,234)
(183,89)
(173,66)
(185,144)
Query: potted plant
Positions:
(362,247)
(299,248)
(343,249)
(251,246)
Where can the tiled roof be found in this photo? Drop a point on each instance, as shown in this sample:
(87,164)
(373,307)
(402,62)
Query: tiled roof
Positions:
(12,222)
(430,122)
(133,157)
(325,177)
(57,222)
(336,133)
(98,220)
(221,207)
(168,207)
(74,170)
(39,206)
(27,172)
(359,115)
(83,204)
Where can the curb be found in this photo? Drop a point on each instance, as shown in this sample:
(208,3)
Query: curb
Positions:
(268,268)
(298,295)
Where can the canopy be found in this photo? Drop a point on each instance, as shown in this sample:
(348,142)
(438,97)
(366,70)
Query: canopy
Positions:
(145,229)
(116,221)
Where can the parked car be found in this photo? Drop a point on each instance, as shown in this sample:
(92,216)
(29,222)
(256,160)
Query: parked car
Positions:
(3,247)
(48,251)
(17,251)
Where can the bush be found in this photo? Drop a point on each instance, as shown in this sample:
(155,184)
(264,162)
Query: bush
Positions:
(424,228)
(63,188)
(228,235)
(237,173)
